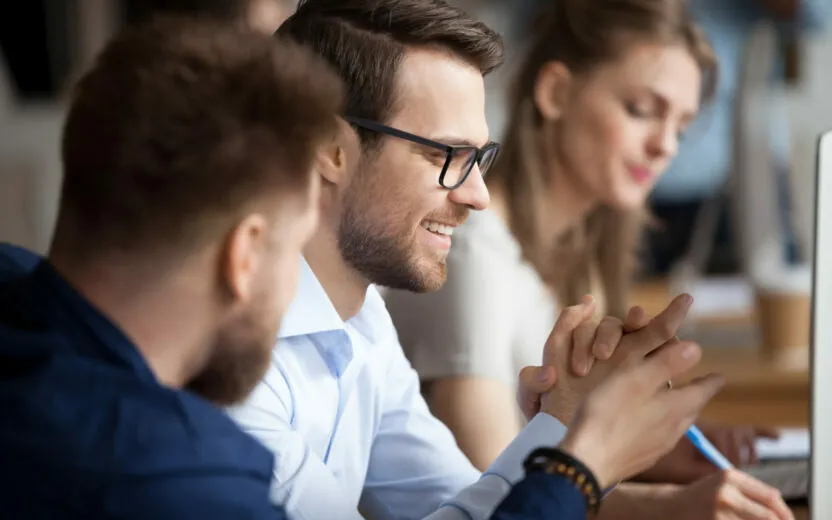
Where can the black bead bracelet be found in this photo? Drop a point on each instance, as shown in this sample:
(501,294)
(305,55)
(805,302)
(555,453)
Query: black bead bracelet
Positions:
(557,462)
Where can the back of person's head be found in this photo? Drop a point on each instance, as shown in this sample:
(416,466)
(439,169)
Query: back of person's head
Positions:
(263,14)
(188,157)
(609,68)
(366,42)
(179,126)
(143,11)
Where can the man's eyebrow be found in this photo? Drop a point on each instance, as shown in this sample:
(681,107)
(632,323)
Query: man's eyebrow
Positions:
(457,141)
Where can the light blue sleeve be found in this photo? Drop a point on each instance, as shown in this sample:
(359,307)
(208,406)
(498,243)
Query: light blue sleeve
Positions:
(417,470)
(479,500)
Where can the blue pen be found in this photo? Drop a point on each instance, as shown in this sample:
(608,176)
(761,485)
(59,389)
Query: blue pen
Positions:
(707,449)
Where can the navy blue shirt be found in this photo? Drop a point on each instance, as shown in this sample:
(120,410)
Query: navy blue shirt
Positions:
(86,431)
(15,260)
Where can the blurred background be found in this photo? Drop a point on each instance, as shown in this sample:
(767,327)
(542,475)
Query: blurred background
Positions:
(734,215)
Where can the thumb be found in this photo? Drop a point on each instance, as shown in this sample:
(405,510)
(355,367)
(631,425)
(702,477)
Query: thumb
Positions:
(534,381)
(537,380)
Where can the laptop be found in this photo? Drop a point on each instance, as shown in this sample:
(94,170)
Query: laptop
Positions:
(820,468)
(800,463)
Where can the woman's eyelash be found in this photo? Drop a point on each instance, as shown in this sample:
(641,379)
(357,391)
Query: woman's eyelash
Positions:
(636,110)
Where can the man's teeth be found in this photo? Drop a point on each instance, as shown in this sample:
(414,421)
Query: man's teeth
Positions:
(436,227)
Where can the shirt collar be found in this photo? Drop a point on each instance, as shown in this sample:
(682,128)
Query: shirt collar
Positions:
(312,312)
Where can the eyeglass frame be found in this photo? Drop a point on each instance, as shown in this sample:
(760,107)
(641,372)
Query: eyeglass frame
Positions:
(449,149)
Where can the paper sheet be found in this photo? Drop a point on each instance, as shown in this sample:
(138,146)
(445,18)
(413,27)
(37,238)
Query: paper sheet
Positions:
(794,443)
(721,296)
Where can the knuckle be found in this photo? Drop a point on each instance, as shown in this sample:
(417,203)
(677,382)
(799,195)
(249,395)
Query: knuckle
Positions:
(770,495)
(722,498)
(666,330)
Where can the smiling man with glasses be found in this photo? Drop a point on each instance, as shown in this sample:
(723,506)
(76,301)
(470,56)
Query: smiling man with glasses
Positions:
(340,405)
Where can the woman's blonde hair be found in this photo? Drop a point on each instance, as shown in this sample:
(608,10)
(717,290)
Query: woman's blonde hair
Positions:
(583,34)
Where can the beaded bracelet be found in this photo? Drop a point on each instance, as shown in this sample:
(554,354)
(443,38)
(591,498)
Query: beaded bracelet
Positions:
(556,462)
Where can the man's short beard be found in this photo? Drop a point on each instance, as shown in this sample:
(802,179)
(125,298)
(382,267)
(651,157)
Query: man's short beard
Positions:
(240,357)
(382,258)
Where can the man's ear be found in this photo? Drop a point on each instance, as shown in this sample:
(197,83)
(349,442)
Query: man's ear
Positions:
(551,90)
(338,156)
(243,254)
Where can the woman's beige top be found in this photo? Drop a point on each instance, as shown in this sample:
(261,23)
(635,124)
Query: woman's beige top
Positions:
(490,319)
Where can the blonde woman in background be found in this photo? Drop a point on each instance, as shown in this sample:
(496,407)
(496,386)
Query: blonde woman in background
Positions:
(600,104)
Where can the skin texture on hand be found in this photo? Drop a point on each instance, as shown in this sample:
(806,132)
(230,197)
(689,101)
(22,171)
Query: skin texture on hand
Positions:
(534,381)
(709,495)
(647,419)
(727,495)
(571,389)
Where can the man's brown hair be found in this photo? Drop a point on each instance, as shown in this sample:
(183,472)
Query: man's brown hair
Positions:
(180,125)
(142,11)
(366,40)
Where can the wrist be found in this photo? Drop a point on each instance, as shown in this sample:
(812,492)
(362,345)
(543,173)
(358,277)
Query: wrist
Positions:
(591,453)
(554,406)
(663,501)
(644,501)
(555,461)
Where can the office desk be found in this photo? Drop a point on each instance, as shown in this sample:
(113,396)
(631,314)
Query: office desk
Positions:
(756,391)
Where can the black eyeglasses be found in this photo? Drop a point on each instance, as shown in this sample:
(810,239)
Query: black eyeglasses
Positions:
(459,158)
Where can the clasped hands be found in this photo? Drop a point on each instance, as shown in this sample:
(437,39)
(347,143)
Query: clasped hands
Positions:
(607,381)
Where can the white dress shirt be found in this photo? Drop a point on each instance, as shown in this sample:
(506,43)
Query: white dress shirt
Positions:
(341,409)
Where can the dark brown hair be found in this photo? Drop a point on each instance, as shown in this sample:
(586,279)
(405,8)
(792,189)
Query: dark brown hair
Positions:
(365,41)
(180,125)
(142,11)
(583,34)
